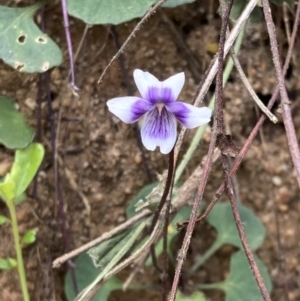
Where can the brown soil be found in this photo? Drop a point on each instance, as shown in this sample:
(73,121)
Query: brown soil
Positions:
(101,156)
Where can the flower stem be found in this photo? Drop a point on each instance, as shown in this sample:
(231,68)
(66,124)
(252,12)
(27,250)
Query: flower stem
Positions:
(21,269)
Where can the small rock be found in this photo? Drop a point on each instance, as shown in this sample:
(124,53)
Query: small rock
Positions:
(30,103)
(97,197)
(138,158)
(283,208)
(277,181)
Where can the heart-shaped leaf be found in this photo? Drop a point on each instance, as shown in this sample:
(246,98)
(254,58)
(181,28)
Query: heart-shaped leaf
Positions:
(25,166)
(86,273)
(108,12)
(221,218)
(240,284)
(14,131)
(22,45)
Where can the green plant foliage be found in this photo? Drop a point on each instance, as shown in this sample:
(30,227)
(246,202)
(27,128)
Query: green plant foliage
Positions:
(20,199)
(7,264)
(174,3)
(25,166)
(105,251)
(240,284)
(115,248)
(86,273)
(196,296)
(130,210)
(221,218)
(22,45)
(3,220)
(122,248)
(108,12)
(14,131)
(29,237)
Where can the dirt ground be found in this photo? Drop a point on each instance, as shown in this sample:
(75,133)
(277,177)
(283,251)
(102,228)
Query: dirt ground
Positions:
(100,160)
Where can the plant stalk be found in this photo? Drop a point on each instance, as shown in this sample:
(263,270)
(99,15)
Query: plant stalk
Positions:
(21,269)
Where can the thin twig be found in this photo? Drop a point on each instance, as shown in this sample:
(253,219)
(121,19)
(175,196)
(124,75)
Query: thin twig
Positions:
(150,12)
(259,123)
(225,161)
(285,103)
(248,86)
(209,76)
(196,206)
(60,260)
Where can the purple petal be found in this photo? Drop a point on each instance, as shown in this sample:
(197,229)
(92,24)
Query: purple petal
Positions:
(160,95)
(188,115)
(172,87)
(145,81)
(128,109)
(159,130)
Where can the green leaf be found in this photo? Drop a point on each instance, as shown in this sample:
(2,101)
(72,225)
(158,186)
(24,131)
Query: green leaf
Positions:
(221,218)
(240,284)
(14,131)
(196,296)
(130,210)
(3,220)
(25,166)
(86,273)
(109,251)
(22,45)
(108,12)
(7,264)
(20,199)
(29,237)
(105,251)
(174,3)
(125,246)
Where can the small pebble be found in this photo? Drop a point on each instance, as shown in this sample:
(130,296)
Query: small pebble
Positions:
(277,181)
(138,158)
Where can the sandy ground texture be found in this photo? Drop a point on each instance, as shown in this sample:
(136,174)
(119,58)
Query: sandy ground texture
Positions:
(101,166)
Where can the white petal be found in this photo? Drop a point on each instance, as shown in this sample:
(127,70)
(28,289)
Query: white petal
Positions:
(159,130)
(128,109)
(144,81)
(175,83)
(188,115)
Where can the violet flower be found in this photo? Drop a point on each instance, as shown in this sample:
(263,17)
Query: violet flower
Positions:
(160,109)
